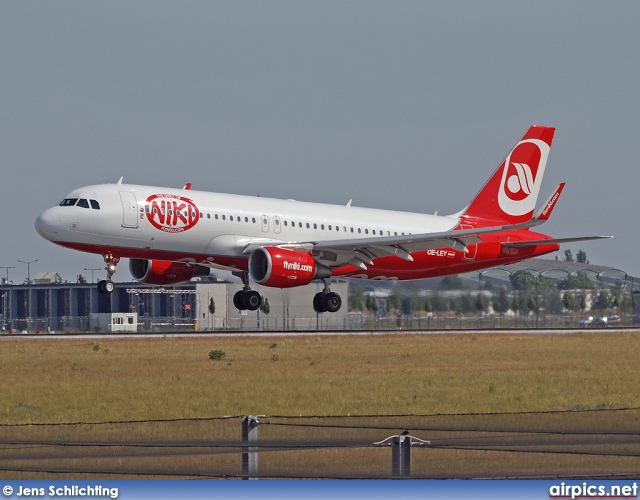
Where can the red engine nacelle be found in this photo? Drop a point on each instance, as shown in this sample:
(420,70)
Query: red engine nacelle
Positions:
(164,272)
(284,268)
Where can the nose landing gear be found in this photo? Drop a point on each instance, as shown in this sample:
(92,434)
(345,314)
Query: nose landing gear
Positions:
(107,286)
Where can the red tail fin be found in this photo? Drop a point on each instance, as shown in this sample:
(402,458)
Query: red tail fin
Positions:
(510,195)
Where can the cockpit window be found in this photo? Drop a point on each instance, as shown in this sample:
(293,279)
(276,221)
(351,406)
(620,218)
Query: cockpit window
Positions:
(82,203)
(68,202)
(94,204)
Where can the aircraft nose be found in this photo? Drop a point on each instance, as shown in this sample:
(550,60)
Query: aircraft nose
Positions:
(48,224)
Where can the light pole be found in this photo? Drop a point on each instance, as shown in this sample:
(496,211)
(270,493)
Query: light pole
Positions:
(28,289)
(6,282)
(92,269)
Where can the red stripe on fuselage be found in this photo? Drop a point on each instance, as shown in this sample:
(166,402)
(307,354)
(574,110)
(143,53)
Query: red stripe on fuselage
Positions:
(426,263)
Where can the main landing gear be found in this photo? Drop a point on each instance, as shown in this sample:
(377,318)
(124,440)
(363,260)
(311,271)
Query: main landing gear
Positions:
(107,286)
(327,301)
(246,299)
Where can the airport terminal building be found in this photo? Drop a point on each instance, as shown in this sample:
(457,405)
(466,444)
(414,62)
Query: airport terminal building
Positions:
(49,305)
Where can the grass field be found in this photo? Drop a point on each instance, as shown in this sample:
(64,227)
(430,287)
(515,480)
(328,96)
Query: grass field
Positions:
(126,379)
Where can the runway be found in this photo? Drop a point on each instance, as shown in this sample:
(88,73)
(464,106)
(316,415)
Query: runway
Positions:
(316,333)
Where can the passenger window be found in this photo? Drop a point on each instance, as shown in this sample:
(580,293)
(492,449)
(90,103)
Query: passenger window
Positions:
(322,226)
(68,202)
(359,230)
(352,230)
(224,217)
(96,206)
(307,225)
(285,223)
(366,231)
(208,216)
(216,216)
(337,228)
(253,219)
(329,227)
(299,224)
(246,219)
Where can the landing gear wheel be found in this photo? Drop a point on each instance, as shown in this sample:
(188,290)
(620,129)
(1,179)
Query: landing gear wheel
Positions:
(106,286)
(238,300)
(252,300)
(318,303)
(332,302)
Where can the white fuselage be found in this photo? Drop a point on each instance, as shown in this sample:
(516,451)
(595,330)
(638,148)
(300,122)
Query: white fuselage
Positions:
(215,226)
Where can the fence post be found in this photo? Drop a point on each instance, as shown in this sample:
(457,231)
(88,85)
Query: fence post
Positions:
(401,456)
(249,453)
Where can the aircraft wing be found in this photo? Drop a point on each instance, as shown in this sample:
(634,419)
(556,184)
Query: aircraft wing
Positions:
(361,251)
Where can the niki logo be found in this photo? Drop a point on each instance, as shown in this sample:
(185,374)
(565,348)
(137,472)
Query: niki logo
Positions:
(171,213)
(521,177)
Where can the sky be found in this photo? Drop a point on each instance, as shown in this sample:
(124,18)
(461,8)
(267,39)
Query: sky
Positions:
(398,105)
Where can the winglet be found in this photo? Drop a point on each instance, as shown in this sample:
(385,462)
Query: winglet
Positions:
(547,208)
(187,186)
(120,180)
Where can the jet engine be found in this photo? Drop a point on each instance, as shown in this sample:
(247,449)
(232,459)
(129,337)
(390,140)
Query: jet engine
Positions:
(164,272)
(285,268)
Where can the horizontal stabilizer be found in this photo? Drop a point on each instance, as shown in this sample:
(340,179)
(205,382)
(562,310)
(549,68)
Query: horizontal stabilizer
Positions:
(533,243)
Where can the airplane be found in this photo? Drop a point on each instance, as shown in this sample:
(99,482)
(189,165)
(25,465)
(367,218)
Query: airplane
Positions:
(173,235)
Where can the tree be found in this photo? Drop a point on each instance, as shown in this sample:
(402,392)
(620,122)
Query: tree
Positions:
(394,301)
(371,304)
(465,303)
(515,304)
(583,302)
(481,303)
(453,282)
(265,307)
(575,282)
(500,301)
(603,300)
(356,298)
(581,257)
(569,302)
(524,280)
(568,256)
(212,310)
(616,301)
(532,303)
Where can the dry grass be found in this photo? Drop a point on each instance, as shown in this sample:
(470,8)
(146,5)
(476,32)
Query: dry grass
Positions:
(123,379)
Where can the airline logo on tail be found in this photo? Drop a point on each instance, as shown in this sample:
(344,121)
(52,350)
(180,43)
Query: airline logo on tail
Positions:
(522,177)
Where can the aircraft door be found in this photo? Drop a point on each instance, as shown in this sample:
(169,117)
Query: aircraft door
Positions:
(129,209)
(473,248)
(276,224)
(265,223)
